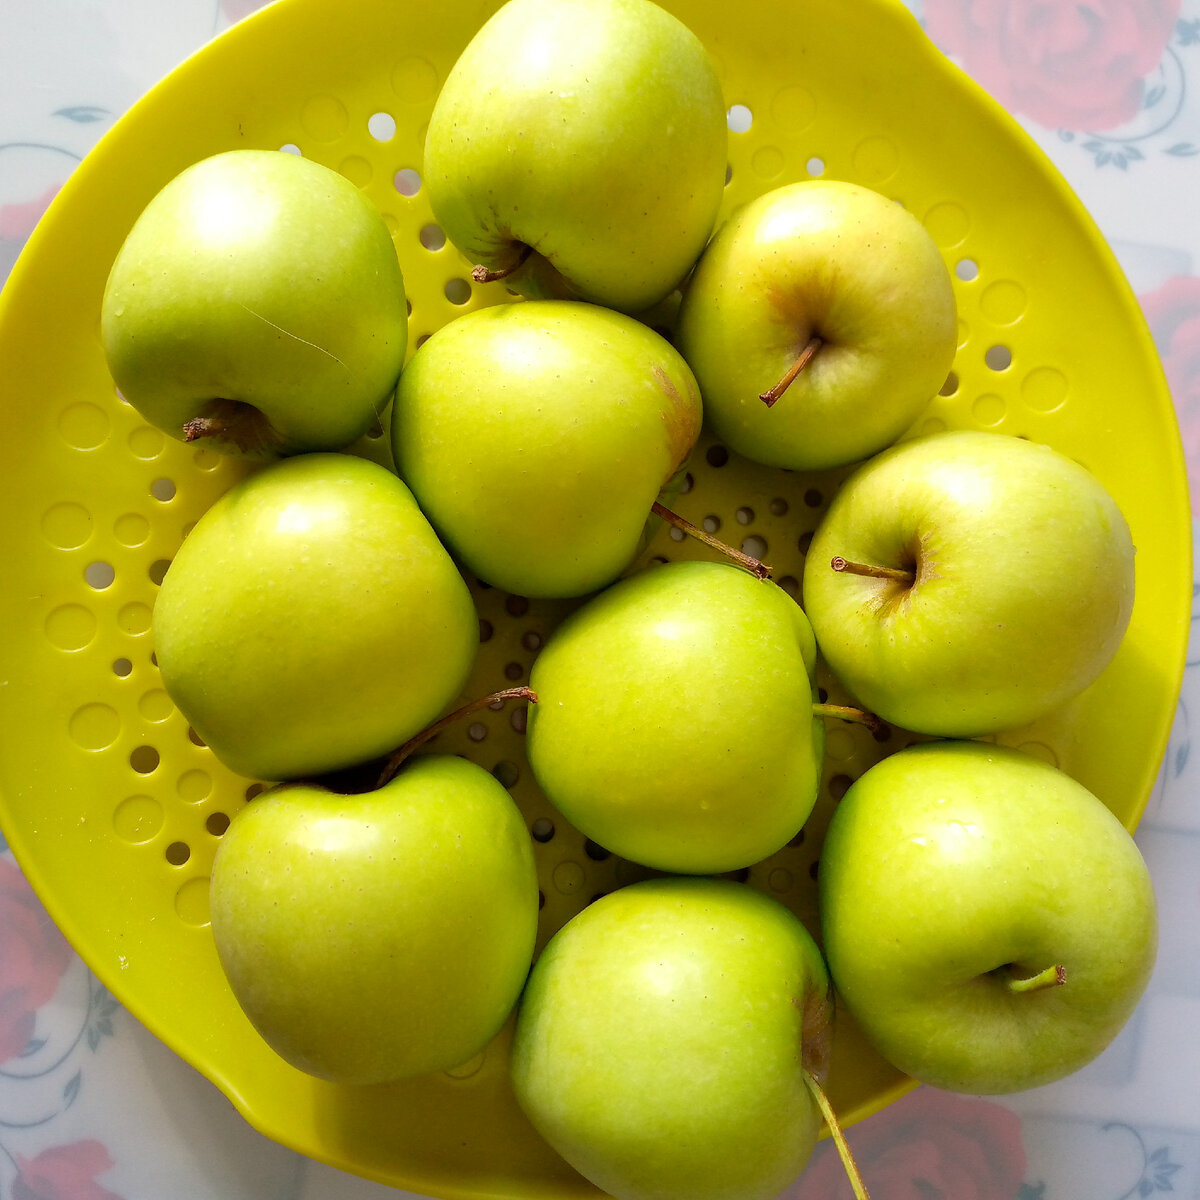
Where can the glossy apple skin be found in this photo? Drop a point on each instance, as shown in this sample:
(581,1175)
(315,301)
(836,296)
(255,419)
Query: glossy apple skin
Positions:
(593,131)
(1024,590)
(948,861)
(674,722)
(378,936)
(263,278)
(660,1040)
(838,261)
(537,436)
(312,621)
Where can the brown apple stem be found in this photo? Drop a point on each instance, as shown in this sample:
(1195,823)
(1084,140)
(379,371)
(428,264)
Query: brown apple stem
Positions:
(233,423)
(203,427)
(806,355)
(858,716)
(839,1138)
(838,563)
(1054,976)
(747,561)
(482,274)
(415,742)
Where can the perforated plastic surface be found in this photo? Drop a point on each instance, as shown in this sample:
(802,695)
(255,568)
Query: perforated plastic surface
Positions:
(113,808)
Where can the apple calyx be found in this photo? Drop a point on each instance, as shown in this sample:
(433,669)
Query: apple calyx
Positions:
(482,274)
(859,716)
(805,356)
(1053,976)
(234,423)
(747,562)
(398,757)
(899,574)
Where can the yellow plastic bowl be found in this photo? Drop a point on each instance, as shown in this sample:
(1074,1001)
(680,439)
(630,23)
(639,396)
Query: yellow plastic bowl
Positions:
(114,810)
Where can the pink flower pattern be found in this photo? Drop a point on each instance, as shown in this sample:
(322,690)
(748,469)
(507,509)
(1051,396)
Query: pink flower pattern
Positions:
(235,10)
(17,220)
(33,957)
(1173,312)
(64,1173)
(1067,64)
(929,1143)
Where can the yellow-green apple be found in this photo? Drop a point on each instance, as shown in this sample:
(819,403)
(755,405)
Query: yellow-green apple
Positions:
(383,935)
(820,322)
(537,437)
(311,620)
(579,150)
(675,723)
(664,1038)
(257,303)
(987,920)
(968,582)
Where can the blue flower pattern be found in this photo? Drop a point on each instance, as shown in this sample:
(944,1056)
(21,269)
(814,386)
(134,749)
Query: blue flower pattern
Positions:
(1157,1168)
(1164,102)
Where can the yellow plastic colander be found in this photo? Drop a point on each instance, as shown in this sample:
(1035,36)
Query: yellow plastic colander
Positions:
(110,803)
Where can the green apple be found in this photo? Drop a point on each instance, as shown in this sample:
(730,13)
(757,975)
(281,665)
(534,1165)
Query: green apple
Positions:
(664,1037)
(378,936)
(537,436)
(579,150)
(820,322)
(257,303)
(988,922)
(980,581)
(675,722)
(311,620)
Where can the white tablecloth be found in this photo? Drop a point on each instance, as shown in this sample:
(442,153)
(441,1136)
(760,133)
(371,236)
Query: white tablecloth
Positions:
(93,1107)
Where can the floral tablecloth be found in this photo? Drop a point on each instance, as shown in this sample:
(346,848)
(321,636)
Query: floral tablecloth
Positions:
(93,1107)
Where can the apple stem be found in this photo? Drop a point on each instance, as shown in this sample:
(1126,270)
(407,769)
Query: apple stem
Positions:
(415,742)
(482,274)
(839,1138)
(838,563)
(805,357)
(233,423)
(845,713)
(1054,976)
(202,427)
(747,561)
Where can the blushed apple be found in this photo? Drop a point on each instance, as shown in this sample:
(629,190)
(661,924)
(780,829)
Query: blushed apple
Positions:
(820,321)
(537,437)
